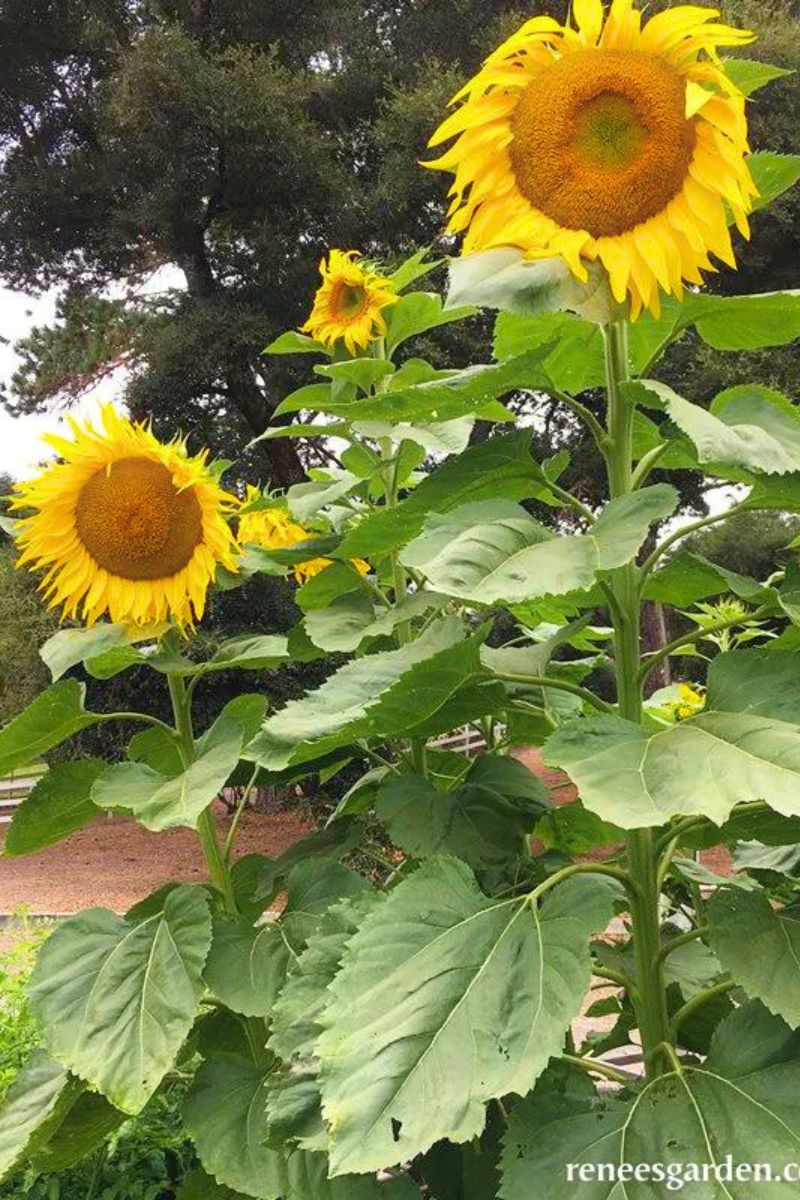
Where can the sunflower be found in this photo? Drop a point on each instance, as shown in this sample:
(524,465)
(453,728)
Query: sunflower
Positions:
(348,303)
(274,529)
(125,525)
(612,141)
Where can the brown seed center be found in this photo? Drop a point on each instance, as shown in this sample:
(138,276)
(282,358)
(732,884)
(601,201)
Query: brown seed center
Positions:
(601,141)
(135,523)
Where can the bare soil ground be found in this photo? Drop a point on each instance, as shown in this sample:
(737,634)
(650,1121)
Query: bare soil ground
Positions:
(115,862)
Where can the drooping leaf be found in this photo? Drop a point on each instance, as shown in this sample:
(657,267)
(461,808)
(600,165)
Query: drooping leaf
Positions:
(312,888)
(687,578)
(494,551)
(200,1186)
(749,75)
(503,278)
(482,821)
(574,830)
(85,1127)
(115,999)
(257,880)
(342,624)
(377,695)
(161,802)
(305,500)
(58,805)
(293,342)
(444,992)
(759,947)
(38,1099)
(246,965)
(50,719)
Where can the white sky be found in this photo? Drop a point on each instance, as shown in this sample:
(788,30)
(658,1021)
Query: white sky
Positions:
(21,448)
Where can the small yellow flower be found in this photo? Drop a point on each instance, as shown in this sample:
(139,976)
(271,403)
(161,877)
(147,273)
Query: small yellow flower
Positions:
(274,529)
(613,140)
(349,303)
(125,525)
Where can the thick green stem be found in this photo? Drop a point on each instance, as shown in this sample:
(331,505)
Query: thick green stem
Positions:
(206,829)
(650,1000)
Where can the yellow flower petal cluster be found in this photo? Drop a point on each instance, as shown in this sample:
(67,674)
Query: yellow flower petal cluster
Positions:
(124,525)
(274,529)
(614,141)
(349,303)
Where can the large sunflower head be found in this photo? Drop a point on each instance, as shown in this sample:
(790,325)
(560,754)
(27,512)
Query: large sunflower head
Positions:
(349,303)
(614,141)
(274,529)
(125,525)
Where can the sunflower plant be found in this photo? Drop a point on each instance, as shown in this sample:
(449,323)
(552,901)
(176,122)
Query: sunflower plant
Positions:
(413,1033)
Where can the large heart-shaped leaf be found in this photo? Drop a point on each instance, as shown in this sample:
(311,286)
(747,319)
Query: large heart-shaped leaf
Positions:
(115,999)
(444,992)
(759,947)
(53,716)
(35,1104)
(740,1107)
(494,551)
(59,804)
(68,647)
(160,801)
(377,695)
(745,747)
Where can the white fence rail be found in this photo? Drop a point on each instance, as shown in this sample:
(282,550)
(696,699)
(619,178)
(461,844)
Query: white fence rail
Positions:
(16,786)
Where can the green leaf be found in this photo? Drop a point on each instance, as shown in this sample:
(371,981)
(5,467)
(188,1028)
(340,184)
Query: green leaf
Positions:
(446,993)
(363,372)
(531,659)
(687,578)
(33,1107)
(226,1117)
(494,551)
(482,821)
(59,804)
(574,359)
(461,393)
(740,1103)
(773,174)
(745,747)
(749,75)
(342,625)
(789,593)
(500,468)
(412,268)
(503,278)
(378,695)
(161,802)
(259,652)
(246,965)
(293,342)
(51,718)
(306,499)
(748,426)
(257,880)
(759,947)
(321,589)
(86,1126)
(68,647)
(573,830)
(418,312)
(312,888)
(115,1000)
(159,749)
(298,1009)
(746,322)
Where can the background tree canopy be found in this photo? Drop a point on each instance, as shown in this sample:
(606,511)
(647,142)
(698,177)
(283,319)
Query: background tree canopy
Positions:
(234,141)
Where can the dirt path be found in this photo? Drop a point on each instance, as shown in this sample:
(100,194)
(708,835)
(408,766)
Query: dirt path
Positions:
(115,863)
